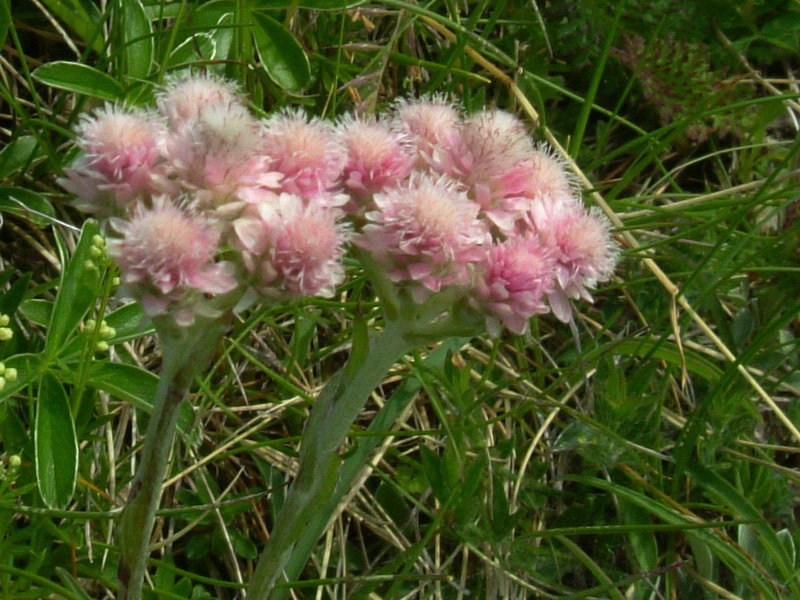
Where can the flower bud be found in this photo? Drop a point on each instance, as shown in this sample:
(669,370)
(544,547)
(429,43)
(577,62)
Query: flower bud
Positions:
(5,334)
(10,374)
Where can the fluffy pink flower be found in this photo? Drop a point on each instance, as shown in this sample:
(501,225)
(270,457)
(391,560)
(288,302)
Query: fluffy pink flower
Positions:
(426,232)
(186,95)
(494,162)
(120,160)
(307,153)
(217,157)
(581,244)
(292,248)
(549,175)
(165,254)
(517,276)
(432,126)
(377,157)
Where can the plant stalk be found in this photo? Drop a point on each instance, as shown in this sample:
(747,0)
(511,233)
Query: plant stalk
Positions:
(186,352)
(327,427)
(138,517)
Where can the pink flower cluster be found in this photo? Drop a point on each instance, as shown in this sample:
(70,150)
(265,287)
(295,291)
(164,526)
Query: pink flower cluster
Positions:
(205,198)
(489,210)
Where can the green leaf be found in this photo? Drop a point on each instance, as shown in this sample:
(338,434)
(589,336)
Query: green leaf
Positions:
(75,296)
(81,17)
(738,563)
(281,54)
(56,444)
(432,466)
(243,546)
(37,310)
(127,382)
(742,327)
(642,543)
(138,35)
(722,491)
(309,4)
(17,154)
(129,321)
(71,583)
(304,330)
(5,22)
(669,351)
(360,348)
(79,78)
(27,366)
(27,203)
(197,547)
(13,297)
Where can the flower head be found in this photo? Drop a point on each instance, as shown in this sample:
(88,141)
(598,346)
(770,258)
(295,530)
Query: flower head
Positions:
(377,157)
(426,232)
(292,248)
(548,175)
(166,253)
(217,156)
(582,246)
(307,153)
(517,276)
(122,149)
(186,95)
(493,161)
(432,126)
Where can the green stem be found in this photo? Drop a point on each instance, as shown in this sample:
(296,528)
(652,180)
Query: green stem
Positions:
(136,524)
(187,351)
(353,465)
(330,421)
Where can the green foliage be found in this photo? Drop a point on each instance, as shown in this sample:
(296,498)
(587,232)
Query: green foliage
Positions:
(627,458)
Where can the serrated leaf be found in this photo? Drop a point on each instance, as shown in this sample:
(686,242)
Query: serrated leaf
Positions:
(17,154)
(138,35)
(280,53)
(27,203)
(75,296)
(79,78)
(56,444)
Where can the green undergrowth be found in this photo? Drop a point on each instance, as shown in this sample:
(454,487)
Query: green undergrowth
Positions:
(649,452)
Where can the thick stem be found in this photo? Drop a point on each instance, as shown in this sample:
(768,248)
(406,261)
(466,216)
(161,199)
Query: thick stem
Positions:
(136,523)
(333,415)
(186,352)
